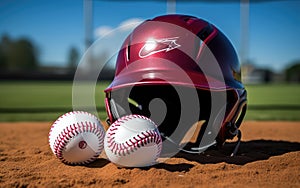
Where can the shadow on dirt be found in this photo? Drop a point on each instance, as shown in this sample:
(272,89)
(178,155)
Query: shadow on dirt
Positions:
(249,151)
(181,167)
(98,163)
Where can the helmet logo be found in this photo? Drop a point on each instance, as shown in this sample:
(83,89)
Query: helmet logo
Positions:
(153,46)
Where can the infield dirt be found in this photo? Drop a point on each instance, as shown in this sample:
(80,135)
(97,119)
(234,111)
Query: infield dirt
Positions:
(269,156)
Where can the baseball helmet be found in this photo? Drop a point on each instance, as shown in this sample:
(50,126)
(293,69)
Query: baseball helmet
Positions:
(180,71)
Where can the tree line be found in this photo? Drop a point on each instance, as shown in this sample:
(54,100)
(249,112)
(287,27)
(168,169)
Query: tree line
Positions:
(18,54)
(22,54)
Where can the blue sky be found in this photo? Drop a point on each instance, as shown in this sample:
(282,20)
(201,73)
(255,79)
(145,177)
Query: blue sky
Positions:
(54,26)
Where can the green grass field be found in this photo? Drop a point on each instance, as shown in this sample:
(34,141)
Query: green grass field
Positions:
(45,101)
(41,101)
(274,102)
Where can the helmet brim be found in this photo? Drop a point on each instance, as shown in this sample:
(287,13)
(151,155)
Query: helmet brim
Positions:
(166,77)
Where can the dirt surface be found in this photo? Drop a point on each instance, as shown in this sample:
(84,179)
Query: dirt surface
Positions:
(269,156)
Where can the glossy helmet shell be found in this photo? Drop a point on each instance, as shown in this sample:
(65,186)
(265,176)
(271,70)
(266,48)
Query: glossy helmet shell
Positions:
(188,56)
(188,43)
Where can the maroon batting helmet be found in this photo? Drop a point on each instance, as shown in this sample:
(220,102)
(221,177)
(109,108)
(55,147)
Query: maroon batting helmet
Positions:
(173,57)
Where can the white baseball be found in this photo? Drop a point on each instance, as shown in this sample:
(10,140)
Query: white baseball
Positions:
(133,141)
(76,138)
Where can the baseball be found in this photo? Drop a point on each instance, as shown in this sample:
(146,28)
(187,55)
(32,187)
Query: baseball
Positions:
(133,141)
(76,138)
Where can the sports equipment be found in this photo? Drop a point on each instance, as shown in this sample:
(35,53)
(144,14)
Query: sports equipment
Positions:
(133,141)
(76,138)
(192,68)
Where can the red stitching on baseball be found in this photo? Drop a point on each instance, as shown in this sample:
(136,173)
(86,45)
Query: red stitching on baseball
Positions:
(129,146)
(65,136)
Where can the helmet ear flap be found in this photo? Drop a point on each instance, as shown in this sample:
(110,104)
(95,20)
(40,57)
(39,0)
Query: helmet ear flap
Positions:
(117,110)
(239,116)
